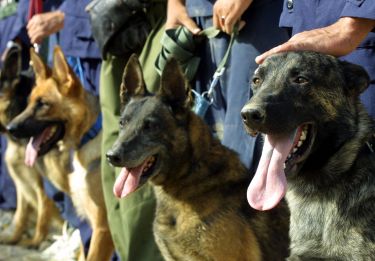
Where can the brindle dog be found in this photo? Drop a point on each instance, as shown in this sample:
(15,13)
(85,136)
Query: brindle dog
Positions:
(318,141)
(200,185)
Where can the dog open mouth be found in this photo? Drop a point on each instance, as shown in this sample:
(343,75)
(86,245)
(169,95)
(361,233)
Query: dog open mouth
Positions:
(301,148)
(280,154)
(40,144)
(130,178)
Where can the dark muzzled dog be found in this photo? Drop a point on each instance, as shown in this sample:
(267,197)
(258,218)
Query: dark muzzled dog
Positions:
(32,203)
(58,114)
(317,139)
(200,185)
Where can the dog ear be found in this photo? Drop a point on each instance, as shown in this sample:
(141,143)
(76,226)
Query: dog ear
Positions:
(133,83)
(174,86)
(356,78)
(68,82)
(12,63)
(41,70)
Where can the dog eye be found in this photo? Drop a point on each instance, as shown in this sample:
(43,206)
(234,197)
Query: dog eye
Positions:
(256,80)
(122,123)
(300,80)
(40,103)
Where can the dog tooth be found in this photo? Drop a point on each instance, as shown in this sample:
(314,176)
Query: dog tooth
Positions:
(294,150)
(284,165)
(299,143)
(303,135)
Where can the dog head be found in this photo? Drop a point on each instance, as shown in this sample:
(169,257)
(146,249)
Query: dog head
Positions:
(15,87)
(150,127)
(56,110)
(300,100)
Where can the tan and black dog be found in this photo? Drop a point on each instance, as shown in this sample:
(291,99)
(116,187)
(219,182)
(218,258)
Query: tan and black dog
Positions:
(318,142)
(58,114)
(200,185)
(32,202)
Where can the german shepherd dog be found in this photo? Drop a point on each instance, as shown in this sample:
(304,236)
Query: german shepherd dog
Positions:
(15,87)
(200,185)
(58,114)
(317,141)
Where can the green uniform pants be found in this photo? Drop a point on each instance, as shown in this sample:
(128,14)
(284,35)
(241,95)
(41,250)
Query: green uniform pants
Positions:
(130,219)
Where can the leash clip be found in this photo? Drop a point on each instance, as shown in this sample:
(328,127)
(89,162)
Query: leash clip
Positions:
(214,82)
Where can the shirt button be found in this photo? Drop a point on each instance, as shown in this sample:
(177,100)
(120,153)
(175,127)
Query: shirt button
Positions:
(289,4)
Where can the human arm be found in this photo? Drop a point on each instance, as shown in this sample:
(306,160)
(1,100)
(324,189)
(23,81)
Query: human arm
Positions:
(45,24)
(337,39)
(177,15)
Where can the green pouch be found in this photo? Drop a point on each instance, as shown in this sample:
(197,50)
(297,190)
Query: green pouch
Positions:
(181,44)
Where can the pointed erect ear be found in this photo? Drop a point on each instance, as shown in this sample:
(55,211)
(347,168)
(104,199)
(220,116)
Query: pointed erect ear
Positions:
(12,63)
(356,78)
(68,82)
(41,70)
(133,83)
(174,87)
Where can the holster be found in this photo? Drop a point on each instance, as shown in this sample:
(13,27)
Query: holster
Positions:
(119,27)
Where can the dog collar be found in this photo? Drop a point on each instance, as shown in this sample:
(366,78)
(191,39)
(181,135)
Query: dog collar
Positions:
(93,131)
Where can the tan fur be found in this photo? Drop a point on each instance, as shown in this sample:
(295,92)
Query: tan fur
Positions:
(32,202)
(73,169)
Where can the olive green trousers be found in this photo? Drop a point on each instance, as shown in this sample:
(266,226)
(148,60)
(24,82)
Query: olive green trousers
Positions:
(130,218)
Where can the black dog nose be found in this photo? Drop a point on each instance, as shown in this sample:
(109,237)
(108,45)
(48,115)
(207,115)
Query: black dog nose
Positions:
(113,158)
(252,115)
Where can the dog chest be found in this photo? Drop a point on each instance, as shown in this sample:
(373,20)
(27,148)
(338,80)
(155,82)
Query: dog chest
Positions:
(317,228)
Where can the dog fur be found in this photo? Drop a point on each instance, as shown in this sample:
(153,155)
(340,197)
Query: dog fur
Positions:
(200,185)
(32,202)
(61,110)
(308,106)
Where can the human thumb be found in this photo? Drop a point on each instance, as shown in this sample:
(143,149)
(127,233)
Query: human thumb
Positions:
(190,25)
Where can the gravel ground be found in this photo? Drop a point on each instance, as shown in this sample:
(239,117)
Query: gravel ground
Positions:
(64,250)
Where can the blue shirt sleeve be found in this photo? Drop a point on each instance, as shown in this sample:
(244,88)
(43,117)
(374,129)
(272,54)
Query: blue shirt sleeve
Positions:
(359,8)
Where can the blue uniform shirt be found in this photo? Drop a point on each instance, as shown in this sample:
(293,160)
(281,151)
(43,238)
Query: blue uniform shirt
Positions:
(76,37)
(303,15)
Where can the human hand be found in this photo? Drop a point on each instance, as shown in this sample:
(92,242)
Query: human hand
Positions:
(338,39)
(43,25)
(177,15)
(227,13)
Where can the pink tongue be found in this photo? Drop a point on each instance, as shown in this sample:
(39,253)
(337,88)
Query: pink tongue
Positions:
(33,147)
(128,180)
(269,186)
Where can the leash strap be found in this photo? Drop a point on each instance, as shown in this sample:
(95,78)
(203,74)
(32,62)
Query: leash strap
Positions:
(221,67)
(180,43)
(204,100)
(75,63)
